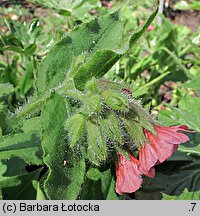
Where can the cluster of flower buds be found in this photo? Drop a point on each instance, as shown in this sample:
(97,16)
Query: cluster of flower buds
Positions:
(109,118)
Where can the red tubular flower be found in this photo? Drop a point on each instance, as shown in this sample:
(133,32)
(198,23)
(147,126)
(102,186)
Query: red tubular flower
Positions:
(128,175)
(161,146)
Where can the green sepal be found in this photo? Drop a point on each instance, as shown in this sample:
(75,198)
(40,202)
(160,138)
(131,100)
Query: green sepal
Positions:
(115,100)
(94,103)
(135,131)
(111,127)
(97,148)
(144,118)
(75,126)
(122,151)
(93,86)
(111,85)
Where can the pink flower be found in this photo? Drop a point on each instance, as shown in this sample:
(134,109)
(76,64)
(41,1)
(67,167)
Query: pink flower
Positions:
(160,146)
(128,175)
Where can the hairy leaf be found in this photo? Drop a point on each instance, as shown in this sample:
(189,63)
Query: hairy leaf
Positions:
(103,60)
(99,185)
(87,38)
(24,145)
(21,187)
(66,169)
(175,181)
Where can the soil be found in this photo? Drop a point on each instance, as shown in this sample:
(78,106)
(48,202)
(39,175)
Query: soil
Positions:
(189,18)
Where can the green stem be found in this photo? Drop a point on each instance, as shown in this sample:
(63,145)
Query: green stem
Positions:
(38,102)
(178,61)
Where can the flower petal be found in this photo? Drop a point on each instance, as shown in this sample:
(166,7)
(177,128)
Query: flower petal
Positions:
(161,146)
(171,134)
(147,158)
(128,176)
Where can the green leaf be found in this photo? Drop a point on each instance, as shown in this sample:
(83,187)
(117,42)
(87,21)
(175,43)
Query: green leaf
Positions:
(23,145)
(103,60)
(168,117)
(99,185)
(174,182)
(182,156)
(108,186)
(26,81)
(136,36)
(187,113)
(100,63)
(19,167)
(66,168)
(22,187)
(193,83)
(94,39)
(192,147)
(87,38)
(6,89)
(29,50)
(32,125)
(76,9)
(186,195)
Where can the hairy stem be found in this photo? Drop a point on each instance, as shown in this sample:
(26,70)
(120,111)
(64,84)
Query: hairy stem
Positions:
(37,102)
